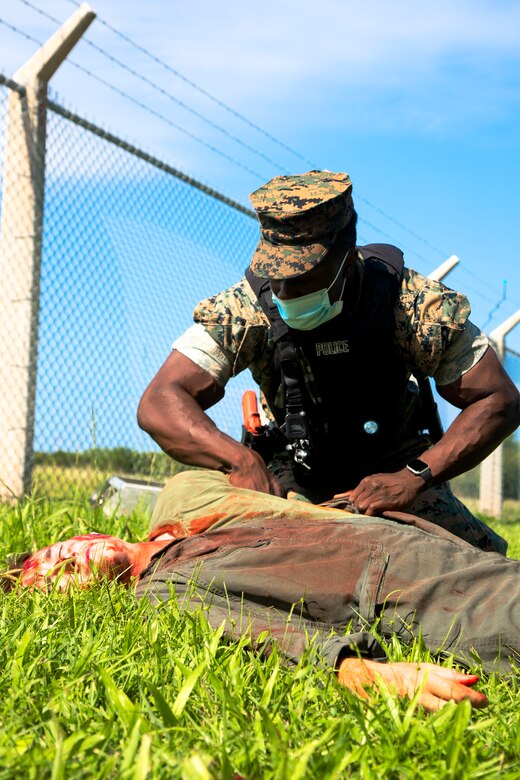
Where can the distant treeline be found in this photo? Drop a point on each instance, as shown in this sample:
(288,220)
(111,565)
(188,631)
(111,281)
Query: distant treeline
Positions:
(118,459)
(158,465)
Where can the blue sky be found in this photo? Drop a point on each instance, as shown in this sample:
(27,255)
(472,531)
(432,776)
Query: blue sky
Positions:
(420,104)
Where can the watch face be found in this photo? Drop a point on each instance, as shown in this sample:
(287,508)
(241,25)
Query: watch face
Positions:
(417,466)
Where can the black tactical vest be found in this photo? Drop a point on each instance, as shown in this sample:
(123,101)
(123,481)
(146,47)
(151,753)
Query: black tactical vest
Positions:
(354,384)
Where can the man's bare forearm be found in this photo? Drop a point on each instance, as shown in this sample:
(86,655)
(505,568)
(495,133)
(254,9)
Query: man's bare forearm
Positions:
(181,428)
(490,405)
(172,411)
(472,436)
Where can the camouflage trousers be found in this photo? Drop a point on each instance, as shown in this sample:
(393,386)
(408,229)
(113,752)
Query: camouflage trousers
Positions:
(438,504)
(302,574)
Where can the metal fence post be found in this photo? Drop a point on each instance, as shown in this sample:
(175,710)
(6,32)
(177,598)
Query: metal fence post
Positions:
(20,250)
(491,469)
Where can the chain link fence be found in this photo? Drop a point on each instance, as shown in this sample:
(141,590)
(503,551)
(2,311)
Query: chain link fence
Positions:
(128,249)
(129,245)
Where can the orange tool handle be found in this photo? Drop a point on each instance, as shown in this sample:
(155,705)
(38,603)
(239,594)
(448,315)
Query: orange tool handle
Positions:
(252,421)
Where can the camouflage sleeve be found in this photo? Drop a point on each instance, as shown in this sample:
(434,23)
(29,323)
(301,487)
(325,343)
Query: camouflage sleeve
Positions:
(465,351)
(433,331)
(236,323)
(197,345)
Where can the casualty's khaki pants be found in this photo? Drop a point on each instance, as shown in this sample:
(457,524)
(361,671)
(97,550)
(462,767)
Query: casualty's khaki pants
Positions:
(298,570)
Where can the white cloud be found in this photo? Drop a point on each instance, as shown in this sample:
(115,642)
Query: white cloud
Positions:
(239,48)
(433,68)
(324,76)
(377,41)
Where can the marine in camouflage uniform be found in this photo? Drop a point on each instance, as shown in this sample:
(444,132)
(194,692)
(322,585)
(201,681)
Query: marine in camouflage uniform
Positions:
(301,218)
(299,573)
(432,330)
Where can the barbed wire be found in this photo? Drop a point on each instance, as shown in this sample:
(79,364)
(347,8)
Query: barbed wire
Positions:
(402,244)
(198,88)
(403,226)
(481,280)
(207,94)
(165,119)
(20,32)
(256,127)
(497,305)
(106,135)
(141,105)
(159,89)
(232,111)
(147,158)
(474,291)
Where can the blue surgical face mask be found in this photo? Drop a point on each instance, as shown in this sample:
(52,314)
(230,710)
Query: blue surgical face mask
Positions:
(310,311)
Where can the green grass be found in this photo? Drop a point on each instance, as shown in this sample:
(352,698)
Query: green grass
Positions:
(94,685)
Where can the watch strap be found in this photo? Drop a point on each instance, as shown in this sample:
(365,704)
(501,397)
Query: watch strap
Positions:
(421,469)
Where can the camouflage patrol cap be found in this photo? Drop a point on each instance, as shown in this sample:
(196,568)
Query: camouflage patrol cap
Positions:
(300,217)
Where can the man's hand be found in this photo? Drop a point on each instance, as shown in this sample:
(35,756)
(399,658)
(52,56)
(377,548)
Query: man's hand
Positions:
(490,405)
(172,411)
(253,475)
(381,492)
(437,685)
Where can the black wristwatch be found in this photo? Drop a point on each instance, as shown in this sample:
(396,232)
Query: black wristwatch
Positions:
(421,469)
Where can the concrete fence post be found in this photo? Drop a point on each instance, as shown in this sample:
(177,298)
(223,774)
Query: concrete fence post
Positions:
(20,251)
(444,268)
(491,473)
